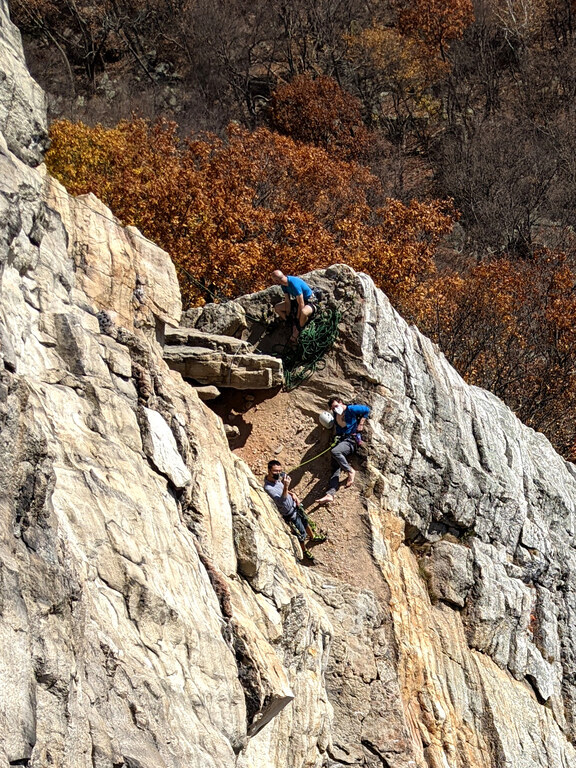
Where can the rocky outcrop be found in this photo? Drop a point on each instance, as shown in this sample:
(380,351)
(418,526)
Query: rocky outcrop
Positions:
(221,361)
(480,565)
(471,517)
(22,103)
(153,611)
(126,634)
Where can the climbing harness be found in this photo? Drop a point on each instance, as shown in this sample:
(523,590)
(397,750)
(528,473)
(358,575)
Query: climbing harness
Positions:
(302,359)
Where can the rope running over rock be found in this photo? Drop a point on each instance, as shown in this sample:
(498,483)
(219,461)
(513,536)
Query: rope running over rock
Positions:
(303,359)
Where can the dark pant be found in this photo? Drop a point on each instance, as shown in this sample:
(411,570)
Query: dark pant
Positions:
(340,454)
(299,522)
(294,310)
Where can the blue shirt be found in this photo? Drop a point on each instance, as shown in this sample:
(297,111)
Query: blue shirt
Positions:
(287,505)
(352,416)
(297,286)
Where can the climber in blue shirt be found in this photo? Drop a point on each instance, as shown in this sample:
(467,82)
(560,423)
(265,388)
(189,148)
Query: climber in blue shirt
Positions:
(299,301)
(349,422)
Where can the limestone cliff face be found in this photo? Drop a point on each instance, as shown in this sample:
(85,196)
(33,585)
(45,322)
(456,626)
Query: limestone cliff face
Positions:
(127,636)
(152,610)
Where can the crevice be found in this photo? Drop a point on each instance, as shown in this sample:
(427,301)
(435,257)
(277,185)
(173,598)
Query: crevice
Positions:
(374,751)
(249,679)
(532,682)
(248,673)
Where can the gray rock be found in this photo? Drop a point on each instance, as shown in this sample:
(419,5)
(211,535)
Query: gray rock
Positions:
(238,371)
(164,453)
(227,319)
(185,337)
(23,121)
(220,360)
(152,608)
(448,568)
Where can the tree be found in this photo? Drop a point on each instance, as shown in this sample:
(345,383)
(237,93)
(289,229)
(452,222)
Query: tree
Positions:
(501,175)
(89,34)
(510,327)
(318,111)
(231,211)
(435,22)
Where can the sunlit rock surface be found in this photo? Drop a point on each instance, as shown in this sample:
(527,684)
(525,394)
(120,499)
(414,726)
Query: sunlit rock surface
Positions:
(153,611)
(23,123)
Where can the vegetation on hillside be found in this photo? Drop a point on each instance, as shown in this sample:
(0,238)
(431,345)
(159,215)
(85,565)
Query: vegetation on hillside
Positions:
(230,211)
(428,143)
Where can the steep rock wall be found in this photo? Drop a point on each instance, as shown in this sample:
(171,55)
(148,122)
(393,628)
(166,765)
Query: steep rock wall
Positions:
(481,567)
(127,637)
(22,103)
(471,519)
(152,610)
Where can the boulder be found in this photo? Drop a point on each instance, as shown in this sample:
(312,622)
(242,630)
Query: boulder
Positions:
(226,319)
(207,393)
(238,371)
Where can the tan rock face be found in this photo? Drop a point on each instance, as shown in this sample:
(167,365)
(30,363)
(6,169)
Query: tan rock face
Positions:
(126,635)
(153,612)
(471,526)
(118,270)
(471,570)
(224,361)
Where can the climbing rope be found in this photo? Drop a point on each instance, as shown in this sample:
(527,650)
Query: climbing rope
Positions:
(302,359)
(332,444)
(217,295)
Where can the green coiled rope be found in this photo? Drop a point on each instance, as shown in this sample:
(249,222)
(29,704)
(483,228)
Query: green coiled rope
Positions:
(301,360)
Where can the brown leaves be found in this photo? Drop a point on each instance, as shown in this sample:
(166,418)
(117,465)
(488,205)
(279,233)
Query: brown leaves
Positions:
(318,111)
(435,22)
(510,327)
(231,211)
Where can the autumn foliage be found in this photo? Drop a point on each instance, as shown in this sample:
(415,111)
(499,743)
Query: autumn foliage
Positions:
(231,211)
(318,111)
(435,22)
(361,102)
(510,327)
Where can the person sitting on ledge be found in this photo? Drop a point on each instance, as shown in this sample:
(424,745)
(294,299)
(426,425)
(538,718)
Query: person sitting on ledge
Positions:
(299,303)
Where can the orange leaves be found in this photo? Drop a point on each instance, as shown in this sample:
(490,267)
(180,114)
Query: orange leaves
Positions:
(391,57)
(396,66)
(435,22)
(318,111)
(231,211)
(397,250)
(510,326)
